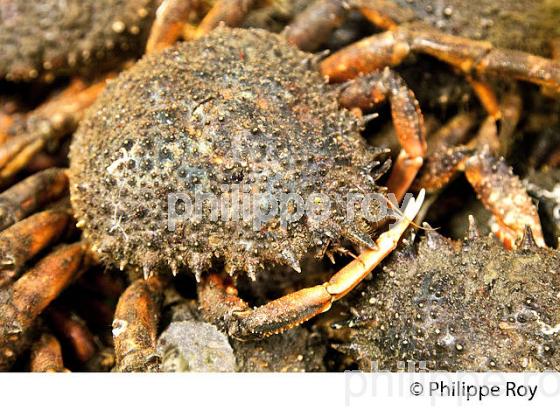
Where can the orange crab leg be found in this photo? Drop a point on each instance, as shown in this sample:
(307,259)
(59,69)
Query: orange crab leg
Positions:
(452,133)
(365,56)
(511,108)
(52,120)
(135,326)
(229,12)
(168,25)
(368,91)
(221,305)
(470,56)
(385,14)
(501,192)
(46,355)
(31,294)
(487,97)
(31,194)
(504,195)
(446,158)
(24,240)
(441,165)
(313,26)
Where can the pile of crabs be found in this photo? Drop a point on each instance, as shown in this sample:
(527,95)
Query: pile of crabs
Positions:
(114,113)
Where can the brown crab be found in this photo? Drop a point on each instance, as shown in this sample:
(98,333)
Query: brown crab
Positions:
(208,130)
(422,310)
(136,314)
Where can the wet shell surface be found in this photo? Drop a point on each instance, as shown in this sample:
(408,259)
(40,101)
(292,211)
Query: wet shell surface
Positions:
(237,110)
(526,25)
(49,38)
(460,306)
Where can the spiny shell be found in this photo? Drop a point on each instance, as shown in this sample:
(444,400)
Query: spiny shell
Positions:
(470,306)
(238,108)
(47,38)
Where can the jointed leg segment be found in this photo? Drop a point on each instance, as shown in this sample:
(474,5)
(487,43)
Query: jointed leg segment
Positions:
(470,56)
(31,194)
(49,122)
(135,326)
(24,240)
(366,92)
(46,355)
(501,192)
(168,25)
(229,12)
(32,293)
(221,305)
(313,26)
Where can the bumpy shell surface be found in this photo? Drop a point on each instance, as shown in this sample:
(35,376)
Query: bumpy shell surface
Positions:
(544,185)
(52,37)
(238,109)
(470,306)
(526,25)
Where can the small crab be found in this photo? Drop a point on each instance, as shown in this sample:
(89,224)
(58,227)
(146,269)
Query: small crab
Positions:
(271,125)
(468,305)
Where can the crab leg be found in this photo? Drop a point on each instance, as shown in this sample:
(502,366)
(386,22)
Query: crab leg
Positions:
(441,165)
(31,194)
(31,294)
(230,12)
(448,154)
(452,133)
(511,108)
(52,120)
(312,27)
(135,326)
(168,25)
(504,195)
(172,16)
(74,332)
(46,355)
(368,91)
(501,192)
(470,56)
(221,305)
(486,96)
(24,240)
